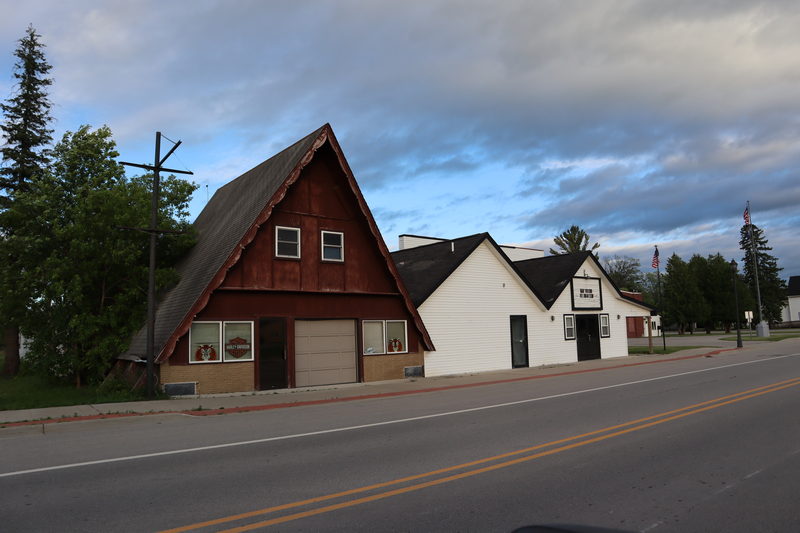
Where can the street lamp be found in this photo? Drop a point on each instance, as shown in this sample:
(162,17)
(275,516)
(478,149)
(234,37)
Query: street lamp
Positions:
(736,299)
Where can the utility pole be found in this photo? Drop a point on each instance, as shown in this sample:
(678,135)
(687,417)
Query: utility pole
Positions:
(153,230)
(762,329)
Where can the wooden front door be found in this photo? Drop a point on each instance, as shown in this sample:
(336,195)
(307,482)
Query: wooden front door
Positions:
(519,341)
(272,368)
(587,334)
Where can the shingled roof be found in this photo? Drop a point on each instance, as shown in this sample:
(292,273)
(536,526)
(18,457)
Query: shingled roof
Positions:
(793,289)
(551,275)
(228,223)
(424,268)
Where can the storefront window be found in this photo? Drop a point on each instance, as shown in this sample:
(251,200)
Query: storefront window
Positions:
(238,337)
(204,342)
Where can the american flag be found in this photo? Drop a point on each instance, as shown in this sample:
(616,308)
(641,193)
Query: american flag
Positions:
(747,215)
(655,259)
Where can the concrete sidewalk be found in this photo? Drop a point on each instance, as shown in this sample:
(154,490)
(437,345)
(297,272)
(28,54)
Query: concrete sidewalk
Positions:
(263,400)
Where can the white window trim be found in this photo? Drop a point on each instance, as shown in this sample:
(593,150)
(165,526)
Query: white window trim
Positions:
(607,326)
(386,336)
(572,326)
(219,342)
(322,246)
(297,230)
(383,334)
(252,342)
(385,344)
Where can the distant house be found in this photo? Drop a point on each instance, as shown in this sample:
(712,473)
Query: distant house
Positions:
(487,312)
(640,326)
(289,285)
(791,311)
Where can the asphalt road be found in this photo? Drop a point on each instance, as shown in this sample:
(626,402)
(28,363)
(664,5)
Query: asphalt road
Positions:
(709,444)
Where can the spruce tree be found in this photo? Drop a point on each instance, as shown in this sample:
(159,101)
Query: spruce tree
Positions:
(26,118)
(24,155)
(773,288)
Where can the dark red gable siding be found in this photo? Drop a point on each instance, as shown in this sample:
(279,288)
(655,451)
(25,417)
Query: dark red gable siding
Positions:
(319,200)
(261,285)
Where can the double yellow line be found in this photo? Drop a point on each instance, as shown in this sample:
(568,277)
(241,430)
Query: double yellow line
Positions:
(469,469)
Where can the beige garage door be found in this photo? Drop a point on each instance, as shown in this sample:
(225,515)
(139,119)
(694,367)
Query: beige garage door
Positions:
(325,352)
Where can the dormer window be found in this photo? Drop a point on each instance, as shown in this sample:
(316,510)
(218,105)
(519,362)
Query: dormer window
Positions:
(332,246)
(287,242)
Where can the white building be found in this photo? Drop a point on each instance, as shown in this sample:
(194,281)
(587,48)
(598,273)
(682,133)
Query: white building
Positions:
(487,312)
(791,312)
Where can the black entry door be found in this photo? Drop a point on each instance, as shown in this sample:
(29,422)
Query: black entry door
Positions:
(587,333)
(272,354)
(519,341)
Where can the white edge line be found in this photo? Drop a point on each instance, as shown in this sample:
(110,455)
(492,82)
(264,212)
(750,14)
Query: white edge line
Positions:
(376,424)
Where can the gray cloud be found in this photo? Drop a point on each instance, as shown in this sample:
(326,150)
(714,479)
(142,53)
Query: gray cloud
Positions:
(616,115)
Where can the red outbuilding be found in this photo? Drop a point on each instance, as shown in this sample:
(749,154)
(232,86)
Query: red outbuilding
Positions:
(289,285)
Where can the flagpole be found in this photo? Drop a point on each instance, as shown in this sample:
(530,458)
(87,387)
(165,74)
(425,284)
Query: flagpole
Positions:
(657,262)
(749,221)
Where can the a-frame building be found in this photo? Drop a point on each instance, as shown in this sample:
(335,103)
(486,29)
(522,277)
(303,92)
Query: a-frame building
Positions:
(290,284)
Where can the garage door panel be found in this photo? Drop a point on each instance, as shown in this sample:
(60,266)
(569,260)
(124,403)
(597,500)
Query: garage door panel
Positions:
(323,361)
(325,377)
(325,344)
(324,327)
(325,352)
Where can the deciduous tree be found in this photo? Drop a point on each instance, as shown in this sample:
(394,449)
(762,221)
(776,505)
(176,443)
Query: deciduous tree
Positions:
(84,278)
(624,271)
(683,301)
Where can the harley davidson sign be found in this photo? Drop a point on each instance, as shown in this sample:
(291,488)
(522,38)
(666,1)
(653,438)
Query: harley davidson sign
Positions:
(237,347)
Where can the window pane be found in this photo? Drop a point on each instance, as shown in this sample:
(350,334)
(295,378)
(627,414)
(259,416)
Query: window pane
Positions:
(569,326)
(238,341)
(396,336)
(373,337)
(287,249)
(332,253)
(287,242)
(334,239)
(287,235)
(205,342)
(332,246)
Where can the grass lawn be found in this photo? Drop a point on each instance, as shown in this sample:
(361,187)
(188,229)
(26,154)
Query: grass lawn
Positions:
(31,392)
(638,350)
(771,338)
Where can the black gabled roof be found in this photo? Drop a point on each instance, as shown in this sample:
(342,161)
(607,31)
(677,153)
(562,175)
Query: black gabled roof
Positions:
(220,228)
(550,275)
(424,268)
(793,288)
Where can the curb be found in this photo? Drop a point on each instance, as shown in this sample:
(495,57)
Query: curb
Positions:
(285,405)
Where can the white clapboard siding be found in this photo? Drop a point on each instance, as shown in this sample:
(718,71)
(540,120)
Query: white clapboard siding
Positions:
(468,316)
(617,344)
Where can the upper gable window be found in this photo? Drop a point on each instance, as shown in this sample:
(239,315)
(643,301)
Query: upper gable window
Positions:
(332,246)
(287,242)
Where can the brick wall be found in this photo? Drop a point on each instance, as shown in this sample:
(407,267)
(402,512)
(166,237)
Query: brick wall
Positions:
(383,367)
(212,378)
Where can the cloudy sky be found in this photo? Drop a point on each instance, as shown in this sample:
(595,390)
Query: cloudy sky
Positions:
(643,122)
